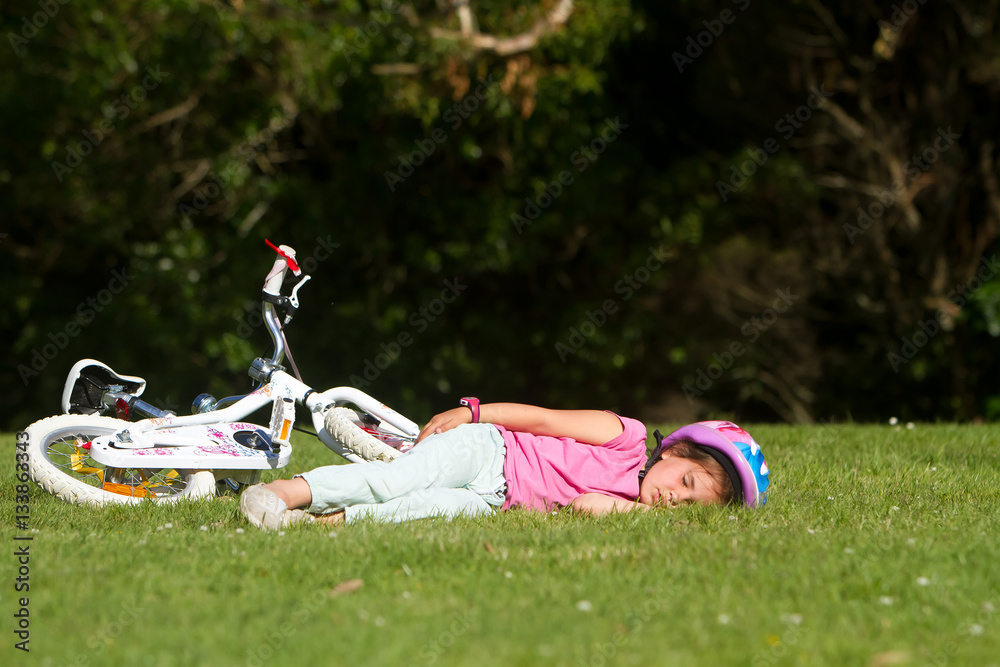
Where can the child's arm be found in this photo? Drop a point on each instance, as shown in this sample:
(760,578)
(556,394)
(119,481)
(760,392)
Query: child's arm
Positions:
(598,503)
(593,427)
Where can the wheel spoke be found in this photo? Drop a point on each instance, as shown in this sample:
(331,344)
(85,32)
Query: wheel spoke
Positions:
(71,455)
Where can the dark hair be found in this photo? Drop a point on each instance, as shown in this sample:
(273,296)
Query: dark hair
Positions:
(685,449)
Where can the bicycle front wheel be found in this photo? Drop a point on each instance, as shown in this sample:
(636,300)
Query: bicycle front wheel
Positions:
(369,442)
(59,461)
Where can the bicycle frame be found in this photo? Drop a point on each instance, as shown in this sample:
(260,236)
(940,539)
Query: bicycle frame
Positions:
(170,441)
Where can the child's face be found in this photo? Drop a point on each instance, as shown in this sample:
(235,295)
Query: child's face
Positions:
(673,481)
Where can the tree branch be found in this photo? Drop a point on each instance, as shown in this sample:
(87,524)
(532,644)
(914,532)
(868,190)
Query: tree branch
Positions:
(466,19)
(193,178)
(506,46)
(169,115)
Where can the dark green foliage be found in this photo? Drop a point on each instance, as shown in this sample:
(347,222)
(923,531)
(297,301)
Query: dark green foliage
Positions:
(289,121)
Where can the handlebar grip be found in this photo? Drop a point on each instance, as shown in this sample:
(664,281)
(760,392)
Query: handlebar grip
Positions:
(289,254)
(276,276)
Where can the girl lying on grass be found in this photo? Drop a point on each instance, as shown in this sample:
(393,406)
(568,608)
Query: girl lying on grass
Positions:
(474,458)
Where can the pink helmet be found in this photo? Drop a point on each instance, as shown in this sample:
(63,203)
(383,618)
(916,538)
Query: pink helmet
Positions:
(737,452)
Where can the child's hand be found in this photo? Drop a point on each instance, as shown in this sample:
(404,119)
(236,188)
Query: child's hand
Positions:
(598,503)
(446,421)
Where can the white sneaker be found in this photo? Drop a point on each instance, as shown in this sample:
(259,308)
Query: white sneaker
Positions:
(292,517)
(264,509)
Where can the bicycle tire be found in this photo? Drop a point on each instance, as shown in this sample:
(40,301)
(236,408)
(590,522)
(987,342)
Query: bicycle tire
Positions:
(60,464)
(343,426)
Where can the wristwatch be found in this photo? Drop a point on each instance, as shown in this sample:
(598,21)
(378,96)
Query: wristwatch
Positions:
(472,404)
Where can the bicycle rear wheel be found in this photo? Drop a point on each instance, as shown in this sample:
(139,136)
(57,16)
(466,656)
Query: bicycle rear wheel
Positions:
(59,461)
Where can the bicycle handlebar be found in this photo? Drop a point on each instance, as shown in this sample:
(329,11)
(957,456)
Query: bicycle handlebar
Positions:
(272,296)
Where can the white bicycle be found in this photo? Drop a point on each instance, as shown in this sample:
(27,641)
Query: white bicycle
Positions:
(83,456)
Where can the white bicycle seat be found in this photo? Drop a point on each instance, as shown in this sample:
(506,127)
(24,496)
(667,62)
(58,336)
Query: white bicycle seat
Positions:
(82,391)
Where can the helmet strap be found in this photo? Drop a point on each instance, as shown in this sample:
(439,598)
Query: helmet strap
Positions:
(654,457)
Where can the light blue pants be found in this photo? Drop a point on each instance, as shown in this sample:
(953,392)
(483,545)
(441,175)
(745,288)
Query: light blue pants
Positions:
(456,472)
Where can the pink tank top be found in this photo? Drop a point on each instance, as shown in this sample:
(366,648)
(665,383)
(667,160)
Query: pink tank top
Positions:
(544,472)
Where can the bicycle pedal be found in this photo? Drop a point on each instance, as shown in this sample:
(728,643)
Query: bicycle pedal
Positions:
(282,420)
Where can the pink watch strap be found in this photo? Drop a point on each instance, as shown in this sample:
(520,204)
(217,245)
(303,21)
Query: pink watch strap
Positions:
(472,404)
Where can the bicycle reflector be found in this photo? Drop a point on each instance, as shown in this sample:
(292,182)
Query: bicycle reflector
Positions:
(292,264)
(282,420)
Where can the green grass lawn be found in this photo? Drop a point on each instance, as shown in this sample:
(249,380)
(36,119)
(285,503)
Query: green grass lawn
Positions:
(878,546)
